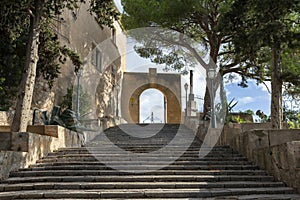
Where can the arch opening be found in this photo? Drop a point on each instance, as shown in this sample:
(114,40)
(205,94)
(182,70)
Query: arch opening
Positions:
(152,106)
(172,107)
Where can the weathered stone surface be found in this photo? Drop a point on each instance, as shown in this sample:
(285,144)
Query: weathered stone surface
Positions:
(73,173)
(5,140)
(38,147)
(282,161)
(19,141)
(277,151)
(136,83)
(6,117)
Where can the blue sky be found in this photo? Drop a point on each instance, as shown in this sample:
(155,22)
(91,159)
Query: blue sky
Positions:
(254,97)
(119,5)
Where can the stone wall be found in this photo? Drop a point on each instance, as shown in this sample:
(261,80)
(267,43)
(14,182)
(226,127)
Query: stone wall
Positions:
(80,31)
(43,96)
(39,146)
(276,151)
(282,161)
(6,117)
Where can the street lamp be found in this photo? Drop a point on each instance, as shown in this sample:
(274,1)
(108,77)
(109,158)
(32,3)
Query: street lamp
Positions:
(186,87)
(117,108)
(211,75)
(79,75)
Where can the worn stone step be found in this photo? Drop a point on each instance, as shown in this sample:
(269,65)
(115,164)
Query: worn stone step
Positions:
(194,154)
(169,149)
(88,170)
(154,167)
(142,193)
(241,197)
(135,185)
(215,148)
(151,165)
(139,178)
(143,161)
(76,173)
(152,157)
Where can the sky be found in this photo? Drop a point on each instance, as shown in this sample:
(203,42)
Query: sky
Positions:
(119,5)
(254,97)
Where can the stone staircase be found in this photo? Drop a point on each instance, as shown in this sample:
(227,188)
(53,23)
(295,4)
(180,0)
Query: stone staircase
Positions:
(140,162)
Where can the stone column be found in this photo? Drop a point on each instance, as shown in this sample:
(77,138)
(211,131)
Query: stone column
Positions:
(192,104)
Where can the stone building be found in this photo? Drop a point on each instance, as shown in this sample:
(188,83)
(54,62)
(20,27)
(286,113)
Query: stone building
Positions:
(79,30)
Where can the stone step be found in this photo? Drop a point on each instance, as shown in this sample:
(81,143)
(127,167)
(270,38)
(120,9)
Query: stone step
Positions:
(194,154)
(85,148)
(94,171)
(135,185)
(143,161)
(156,172)
(142,193)
(147,157)
(152,156)
(139,178)
(161,155)
(153,167)
(177,147)
(241,197)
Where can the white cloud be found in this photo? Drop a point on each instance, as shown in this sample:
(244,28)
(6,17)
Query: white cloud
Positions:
(232,78)
(245,100)
(227,91)
(266,86)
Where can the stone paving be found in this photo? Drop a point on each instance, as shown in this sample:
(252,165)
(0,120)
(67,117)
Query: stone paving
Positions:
(101,170)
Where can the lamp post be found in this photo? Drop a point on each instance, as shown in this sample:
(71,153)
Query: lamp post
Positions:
(79,75)
(186,86)
(117,108)
(211,75)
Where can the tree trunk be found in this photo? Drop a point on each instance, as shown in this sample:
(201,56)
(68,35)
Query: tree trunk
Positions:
(276,99)
(25,93)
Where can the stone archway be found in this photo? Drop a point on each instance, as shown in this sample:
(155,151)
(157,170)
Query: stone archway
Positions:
(135,83)
(173,107)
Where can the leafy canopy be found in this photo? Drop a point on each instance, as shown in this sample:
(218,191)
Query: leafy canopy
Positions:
(14,30)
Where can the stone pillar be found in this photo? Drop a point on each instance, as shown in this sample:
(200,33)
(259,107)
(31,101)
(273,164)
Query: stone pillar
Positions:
(192,104)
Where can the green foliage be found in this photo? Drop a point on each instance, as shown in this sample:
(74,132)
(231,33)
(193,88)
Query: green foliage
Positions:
(71,97)
(238,119)
(257,26)
(292,117)
(14,30)
(234,117)
(53,54)
(263,117)
(202,21)
(229,108)
(104,11)
(291,73)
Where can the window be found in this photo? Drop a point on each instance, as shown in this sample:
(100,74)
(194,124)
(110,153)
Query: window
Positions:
(114,36)
(97,58)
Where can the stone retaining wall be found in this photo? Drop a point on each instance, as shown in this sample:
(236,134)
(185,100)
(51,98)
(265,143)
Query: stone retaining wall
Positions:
(276,151)
(39,146)
(282,161)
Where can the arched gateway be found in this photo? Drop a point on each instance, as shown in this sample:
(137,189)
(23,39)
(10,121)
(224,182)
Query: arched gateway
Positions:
(135,83)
